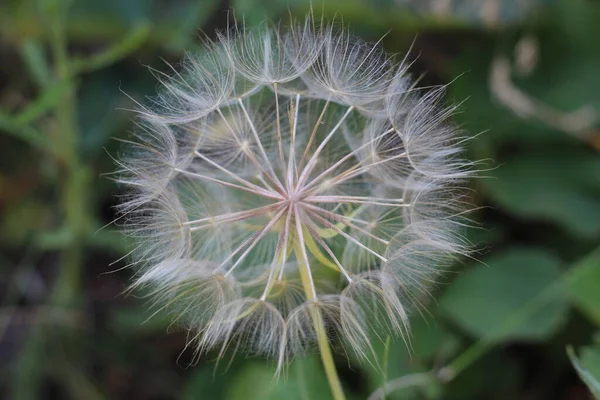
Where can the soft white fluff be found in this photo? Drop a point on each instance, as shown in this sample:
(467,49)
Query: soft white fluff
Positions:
(290,176)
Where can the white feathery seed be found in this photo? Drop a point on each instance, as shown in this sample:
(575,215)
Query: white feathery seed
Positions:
(288,171)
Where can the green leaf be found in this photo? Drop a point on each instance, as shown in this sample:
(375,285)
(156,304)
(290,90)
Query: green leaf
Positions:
(481,298)
(588,366)
(203,383)
(551,186)
(190,17)
(496,376)
(96,115)
(256,11)
(305,380)
(567,49)
(127,11)
(428,341)
(583,289)
(138,319)
(475,12)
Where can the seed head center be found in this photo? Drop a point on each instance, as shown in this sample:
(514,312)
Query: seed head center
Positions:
(294,196)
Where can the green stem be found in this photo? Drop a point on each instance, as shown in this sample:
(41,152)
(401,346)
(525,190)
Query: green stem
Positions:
(404,382)
(322,340)
(73,185)
(327,357)
(24,132)
(122,48)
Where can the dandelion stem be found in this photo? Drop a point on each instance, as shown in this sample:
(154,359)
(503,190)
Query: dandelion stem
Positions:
(327,357)
(322,340)
(305,272)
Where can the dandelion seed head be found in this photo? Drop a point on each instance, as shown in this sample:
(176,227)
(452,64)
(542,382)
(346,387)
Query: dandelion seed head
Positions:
(288,172)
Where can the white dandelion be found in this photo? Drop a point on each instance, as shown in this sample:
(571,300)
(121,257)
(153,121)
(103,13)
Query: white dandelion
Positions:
(292,190)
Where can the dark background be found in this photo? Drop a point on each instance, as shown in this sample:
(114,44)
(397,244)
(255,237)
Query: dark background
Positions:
(528,74)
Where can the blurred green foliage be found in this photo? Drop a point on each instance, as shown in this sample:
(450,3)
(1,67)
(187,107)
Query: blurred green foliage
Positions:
(588,367)
(498,327)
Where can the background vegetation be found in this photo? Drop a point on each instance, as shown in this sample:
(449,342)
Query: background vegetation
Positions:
(529,75)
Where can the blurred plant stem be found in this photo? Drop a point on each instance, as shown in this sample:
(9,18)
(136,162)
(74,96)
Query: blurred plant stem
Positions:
(26,133)
(73,185)
(131,41)
(404,382)
(75,177)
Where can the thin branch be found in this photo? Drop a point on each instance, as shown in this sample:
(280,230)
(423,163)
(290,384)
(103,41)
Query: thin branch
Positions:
(250,185)
(233,185)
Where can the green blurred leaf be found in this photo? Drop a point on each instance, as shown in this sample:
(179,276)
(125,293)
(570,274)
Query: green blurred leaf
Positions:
(256,11)
(97,116)
(479,299)
(476,12)
(498,376)
(22,220)
(203,383)
(114,10)
(584,290)
(138,319)
(578,20)
(559,186)
(564,48)
(588,366)
(428,341)
(305,381)
(190,17)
